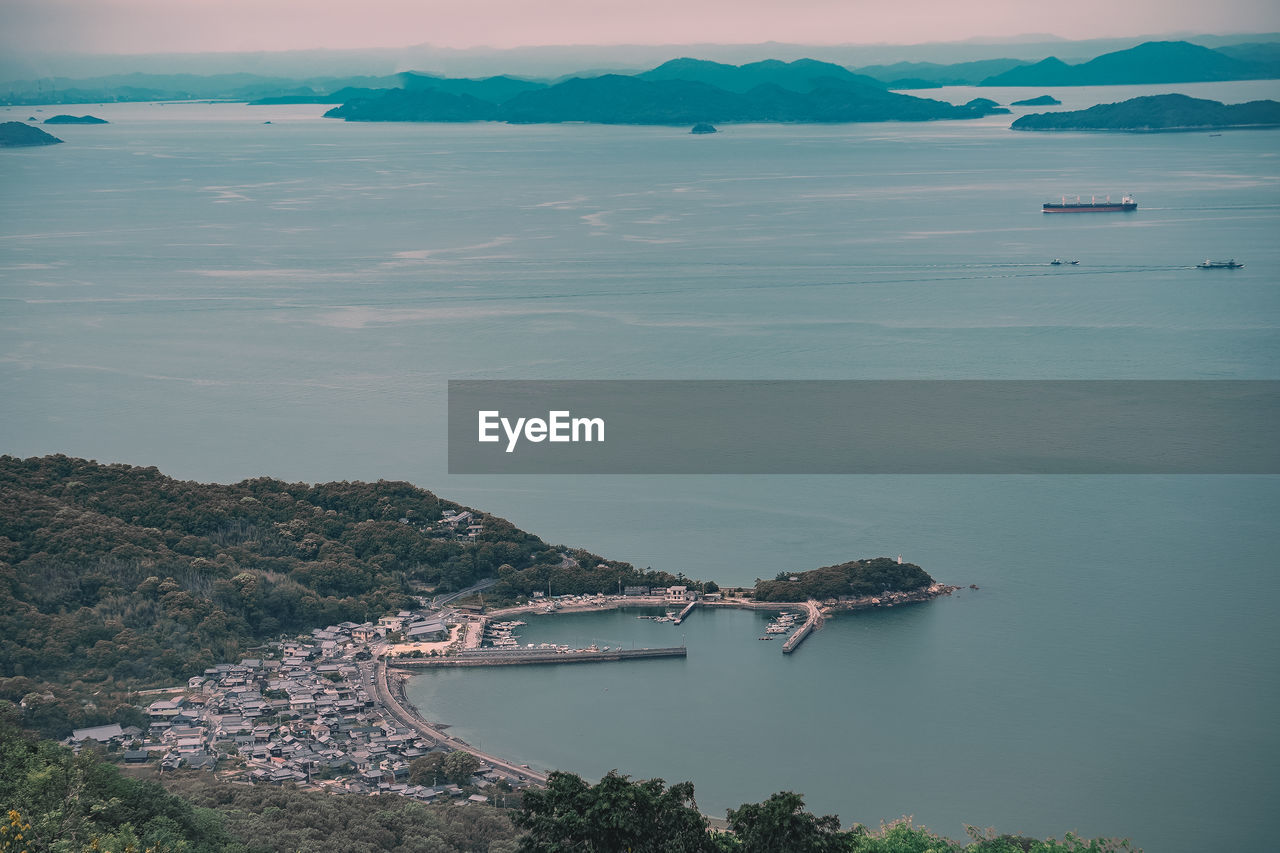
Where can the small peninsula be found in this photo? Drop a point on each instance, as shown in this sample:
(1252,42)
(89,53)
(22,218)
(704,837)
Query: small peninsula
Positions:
(16,134)
(66,119)
(1156,113)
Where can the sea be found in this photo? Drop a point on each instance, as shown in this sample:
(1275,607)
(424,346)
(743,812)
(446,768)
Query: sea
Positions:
(228,291)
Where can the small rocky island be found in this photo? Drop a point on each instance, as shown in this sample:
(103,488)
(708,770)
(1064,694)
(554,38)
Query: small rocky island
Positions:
(1156,113)
(16,134)
(1042,101)
(66,119)
(703,127)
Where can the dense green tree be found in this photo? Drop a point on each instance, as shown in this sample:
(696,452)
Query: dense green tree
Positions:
(613,816)
(459,766)
(781,823)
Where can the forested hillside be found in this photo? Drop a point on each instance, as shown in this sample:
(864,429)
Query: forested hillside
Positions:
(113,574)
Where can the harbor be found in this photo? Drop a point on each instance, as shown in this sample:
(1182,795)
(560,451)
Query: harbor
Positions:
(491,639)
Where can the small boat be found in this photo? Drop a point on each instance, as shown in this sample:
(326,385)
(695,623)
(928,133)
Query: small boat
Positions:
(1219,265)
(1057,262)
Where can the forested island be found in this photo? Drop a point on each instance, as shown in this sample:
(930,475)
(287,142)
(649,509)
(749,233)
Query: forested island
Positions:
(16,134)
(1158,113)
(67,119)
(683,91)
(1041,101)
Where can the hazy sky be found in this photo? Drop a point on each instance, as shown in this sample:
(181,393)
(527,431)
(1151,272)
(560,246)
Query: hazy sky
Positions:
(146,26)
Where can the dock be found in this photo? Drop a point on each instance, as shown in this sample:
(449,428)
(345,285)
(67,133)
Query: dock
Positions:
(518,657)
(688,608)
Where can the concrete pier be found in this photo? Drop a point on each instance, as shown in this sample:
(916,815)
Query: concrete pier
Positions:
(516,657)
(688,608)
(813,619)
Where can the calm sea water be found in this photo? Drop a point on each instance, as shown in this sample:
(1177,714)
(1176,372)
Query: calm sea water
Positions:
(192,288)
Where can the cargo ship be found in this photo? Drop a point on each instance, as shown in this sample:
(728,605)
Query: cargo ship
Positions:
(1090,206)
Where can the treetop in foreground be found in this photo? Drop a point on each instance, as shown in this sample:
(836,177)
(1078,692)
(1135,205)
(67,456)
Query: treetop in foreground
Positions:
(619,815)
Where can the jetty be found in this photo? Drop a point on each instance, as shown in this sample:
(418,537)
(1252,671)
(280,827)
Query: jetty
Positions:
(688,608)
(519,657)
(813,620)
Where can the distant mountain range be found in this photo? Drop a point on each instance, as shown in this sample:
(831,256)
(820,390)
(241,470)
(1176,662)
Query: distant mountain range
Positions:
(1150,62)
(684,91)
(1158,113)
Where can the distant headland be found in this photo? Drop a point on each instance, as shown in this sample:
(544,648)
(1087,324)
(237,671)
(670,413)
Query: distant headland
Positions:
(1158,113)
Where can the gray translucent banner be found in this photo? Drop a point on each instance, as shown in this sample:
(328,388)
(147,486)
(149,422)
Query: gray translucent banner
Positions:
(864,427)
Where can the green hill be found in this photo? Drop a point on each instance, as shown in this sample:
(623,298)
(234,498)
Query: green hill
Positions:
(802,75)
(492,89)
(416,105)
(114,575)
(955,74)
(856,578)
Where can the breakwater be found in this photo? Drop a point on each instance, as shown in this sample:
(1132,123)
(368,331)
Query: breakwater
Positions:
(797,638)
(516,657)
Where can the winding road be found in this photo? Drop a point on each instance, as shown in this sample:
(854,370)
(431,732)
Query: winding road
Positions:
(377,680)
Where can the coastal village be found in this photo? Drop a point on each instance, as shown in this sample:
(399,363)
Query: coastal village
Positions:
(327,712)
(306,713)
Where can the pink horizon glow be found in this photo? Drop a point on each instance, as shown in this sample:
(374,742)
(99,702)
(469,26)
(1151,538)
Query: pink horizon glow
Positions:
(171,26)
